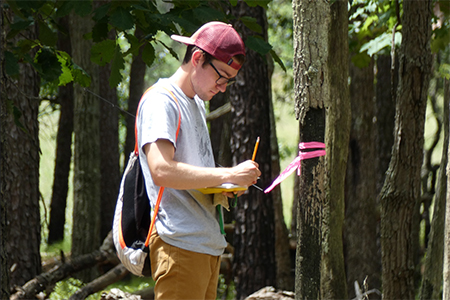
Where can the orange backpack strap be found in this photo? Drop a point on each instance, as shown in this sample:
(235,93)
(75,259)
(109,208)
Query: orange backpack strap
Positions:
(136,151)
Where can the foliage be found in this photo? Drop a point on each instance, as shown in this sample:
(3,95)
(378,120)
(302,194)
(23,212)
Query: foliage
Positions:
(123,18)
(372,24)
(279,17)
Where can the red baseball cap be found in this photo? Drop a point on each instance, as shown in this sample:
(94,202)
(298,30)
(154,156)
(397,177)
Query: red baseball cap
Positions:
(218,39)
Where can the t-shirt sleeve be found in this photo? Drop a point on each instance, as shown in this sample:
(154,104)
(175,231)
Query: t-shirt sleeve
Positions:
(157,118)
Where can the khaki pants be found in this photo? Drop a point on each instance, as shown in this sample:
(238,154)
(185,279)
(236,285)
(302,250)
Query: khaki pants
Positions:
(182,274)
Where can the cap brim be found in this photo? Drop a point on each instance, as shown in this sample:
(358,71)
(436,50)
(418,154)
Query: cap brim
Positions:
(182,39)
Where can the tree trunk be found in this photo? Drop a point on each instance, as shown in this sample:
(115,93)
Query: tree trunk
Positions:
(285,277)
(337,131)
(385,115)
(137,75)
(362,255)
(86,211)
(320,68)
(254,260)
(109,159)
(21,169)
(401,191)
(4,273)
(432,277)
(446,275)
(63,150)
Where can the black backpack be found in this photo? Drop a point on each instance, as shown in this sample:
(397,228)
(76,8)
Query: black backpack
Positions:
(132,226)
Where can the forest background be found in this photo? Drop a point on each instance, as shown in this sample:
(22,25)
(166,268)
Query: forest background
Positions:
(118,40)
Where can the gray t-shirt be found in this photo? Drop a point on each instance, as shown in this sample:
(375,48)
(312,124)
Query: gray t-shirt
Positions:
(187,218)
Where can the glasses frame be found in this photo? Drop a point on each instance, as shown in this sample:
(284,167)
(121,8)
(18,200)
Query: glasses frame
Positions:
(228,81)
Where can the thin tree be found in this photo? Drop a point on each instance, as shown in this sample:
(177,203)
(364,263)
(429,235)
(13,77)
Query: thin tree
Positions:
(323,108)
(446,272)
(362,258)
(4,274)
(401,191)
(137,75)
(20,156)
(109,141)
(63,149)
(86,211)
(432,276)
(254,257)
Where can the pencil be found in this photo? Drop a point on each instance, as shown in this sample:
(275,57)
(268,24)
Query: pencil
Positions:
(256,149)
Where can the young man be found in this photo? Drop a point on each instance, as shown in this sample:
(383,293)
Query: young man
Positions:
(185,249)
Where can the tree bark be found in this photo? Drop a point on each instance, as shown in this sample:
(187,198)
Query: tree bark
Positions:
(4,272)
(109,140)
(310,65)
(385,116)
(432,277)
(401,191)
(137,75)
(86,211)
(361,236)
(21,168)
(63,149)
(446,272)
(320,68)
(254,261)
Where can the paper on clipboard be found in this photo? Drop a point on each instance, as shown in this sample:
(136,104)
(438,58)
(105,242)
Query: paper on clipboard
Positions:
(225,187)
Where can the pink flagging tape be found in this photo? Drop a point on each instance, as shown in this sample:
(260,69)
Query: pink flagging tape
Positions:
(295,164)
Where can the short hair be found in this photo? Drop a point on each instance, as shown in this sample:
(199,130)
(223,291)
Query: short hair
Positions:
(240,58)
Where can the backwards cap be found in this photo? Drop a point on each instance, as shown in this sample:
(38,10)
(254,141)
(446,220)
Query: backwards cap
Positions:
(218,39)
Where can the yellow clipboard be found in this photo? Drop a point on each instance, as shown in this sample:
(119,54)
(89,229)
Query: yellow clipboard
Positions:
(225,187)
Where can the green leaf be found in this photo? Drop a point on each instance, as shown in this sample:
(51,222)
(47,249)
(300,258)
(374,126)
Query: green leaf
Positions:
(46,35)
(148,54)
(277,59)
(171,51)
(24,46)
(32,4)
(103,52)
(444,70)
(100,30)
(384,40)
(83,7)
(134,44)
(117,65)
(80,76)
(65,61)
(50,67)
(101,12)
(252,24)
(21,24)
(441,39)
(11,64)
(258,44)
(205,14)
(122,19)
(253,3)
(65,8)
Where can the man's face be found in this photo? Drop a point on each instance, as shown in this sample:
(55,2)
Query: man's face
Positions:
(206,81)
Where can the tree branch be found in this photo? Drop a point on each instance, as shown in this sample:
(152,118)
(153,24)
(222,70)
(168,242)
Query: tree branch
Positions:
(106,254)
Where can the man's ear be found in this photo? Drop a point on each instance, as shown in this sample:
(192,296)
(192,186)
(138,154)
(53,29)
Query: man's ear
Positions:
(197,57)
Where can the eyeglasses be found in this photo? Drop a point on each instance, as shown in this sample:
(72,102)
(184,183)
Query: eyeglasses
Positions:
(222,79)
